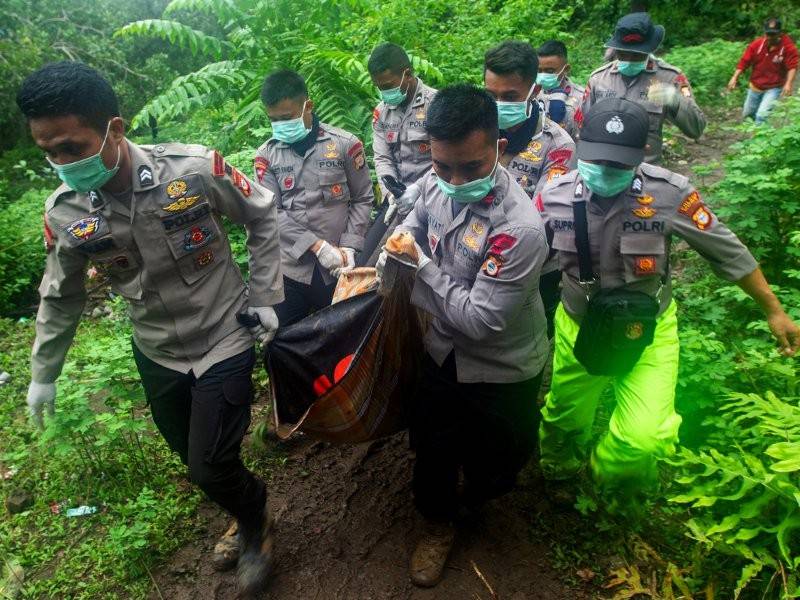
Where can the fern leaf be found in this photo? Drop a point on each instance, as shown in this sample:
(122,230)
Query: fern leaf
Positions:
(748,572)
(225,11)
(175,33)
(188,91)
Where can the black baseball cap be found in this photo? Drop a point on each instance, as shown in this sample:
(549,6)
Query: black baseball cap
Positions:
(614,129)
(635,32)
(773,26)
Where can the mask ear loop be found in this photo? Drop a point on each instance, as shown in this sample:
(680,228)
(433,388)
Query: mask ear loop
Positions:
(103,145)
(529,106)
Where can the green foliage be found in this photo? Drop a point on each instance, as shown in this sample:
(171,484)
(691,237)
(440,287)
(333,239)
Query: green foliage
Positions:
(177,34)
(34,32)
(691,21)
(761,190)
(709,66)
(748,495)
(100,449)
(328,43)
(21,251)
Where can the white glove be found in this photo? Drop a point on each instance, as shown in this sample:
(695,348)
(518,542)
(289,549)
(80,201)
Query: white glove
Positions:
(403,204)
(350,255)
(330,257)
(381,264)
(41,397)
(664,94)
(267,323)
(423,258)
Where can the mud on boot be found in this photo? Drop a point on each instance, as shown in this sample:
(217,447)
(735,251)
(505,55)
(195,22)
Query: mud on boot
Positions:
(226,550)
(255,562)
(430,555)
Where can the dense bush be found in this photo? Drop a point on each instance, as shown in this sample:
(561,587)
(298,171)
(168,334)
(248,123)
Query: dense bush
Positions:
(739,468)
(709,66)
(21,251)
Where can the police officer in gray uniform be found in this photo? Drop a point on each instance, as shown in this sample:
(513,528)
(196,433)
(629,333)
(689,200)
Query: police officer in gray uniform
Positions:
(562,97)
(632,211)
(480,248)
(320,179)
(538,149)
(400,143)
(636,75)
(150,218)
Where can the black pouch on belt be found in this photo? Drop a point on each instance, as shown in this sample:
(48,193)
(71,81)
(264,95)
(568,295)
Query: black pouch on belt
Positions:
(619,323)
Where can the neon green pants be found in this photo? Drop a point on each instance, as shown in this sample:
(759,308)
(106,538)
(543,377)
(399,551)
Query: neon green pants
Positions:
(643,426)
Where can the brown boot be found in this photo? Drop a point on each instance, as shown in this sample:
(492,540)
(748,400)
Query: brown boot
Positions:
(255,561)
(430,555)
(226,552)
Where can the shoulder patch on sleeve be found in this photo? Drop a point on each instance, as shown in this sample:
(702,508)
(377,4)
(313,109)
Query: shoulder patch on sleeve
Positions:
(220,168)
(218,165)
(560,155)
(500,243)
(376,114)
(356,154)
(49,239)
(261,165)
(693,208)
(356,148)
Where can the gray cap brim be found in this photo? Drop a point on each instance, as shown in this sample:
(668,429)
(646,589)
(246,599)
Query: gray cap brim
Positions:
(645,47)
(624,155)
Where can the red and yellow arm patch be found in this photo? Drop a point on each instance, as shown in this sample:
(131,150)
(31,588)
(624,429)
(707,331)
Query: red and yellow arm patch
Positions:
(693,208)
(356,154)
(261,165)
(220,168)
(500,243)
(49,239)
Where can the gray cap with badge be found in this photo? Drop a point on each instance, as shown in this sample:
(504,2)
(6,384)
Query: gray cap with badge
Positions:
(614,129)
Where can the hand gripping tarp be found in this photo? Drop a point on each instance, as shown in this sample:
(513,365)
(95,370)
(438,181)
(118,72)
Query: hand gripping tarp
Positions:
(343,374)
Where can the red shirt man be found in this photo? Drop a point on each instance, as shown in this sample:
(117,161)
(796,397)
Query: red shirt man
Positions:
(773,58)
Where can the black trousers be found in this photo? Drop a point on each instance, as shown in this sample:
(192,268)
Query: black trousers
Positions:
(550,291)
(487,429)
(204,420)
(300,299)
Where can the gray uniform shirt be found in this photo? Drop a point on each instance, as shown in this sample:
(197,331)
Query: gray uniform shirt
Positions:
(572,95)
(324,195)
(630,235)
(401,145)
(549,154)
(166,252)
(482,286)
(608,82)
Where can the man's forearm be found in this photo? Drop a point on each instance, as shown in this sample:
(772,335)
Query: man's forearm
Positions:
(756,286)
(790,77)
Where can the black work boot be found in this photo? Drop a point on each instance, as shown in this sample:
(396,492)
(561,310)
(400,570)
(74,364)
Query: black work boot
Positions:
(255,561)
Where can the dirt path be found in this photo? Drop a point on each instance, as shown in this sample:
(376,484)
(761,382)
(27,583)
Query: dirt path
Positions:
(346,526)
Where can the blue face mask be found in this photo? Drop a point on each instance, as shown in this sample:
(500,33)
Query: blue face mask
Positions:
(291,131)
(394,97)
(631,69)
(88,173)
(603,180)
(513,113)
(472,191)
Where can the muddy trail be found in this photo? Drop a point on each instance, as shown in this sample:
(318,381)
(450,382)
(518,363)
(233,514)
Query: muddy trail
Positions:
(346,524)
(346,527)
